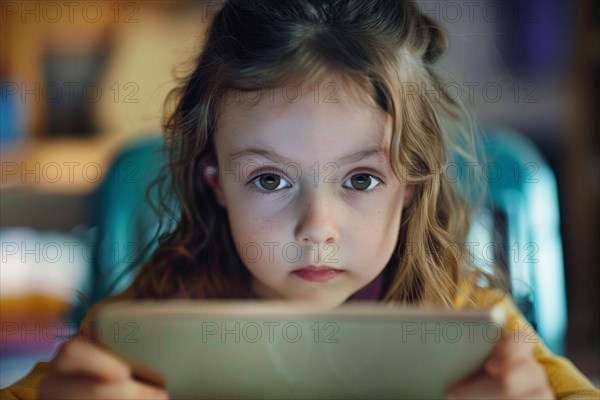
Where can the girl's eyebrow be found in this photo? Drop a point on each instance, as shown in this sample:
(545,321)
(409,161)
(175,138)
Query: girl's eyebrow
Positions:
(347,159)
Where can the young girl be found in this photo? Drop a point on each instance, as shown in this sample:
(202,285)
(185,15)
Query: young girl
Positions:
(305,165)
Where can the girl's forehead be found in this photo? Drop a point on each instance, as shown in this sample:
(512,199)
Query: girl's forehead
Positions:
(306,111)
(329,98)
(304,130)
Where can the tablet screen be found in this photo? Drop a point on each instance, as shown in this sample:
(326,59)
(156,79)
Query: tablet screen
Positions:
(274,350)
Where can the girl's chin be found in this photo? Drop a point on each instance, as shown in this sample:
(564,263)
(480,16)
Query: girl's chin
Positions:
(315,296)
(318,301)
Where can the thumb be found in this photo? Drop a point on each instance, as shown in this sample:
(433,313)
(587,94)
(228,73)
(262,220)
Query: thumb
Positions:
(516,345)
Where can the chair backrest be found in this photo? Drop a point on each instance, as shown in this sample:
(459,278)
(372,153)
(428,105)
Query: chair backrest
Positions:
(122,220)
(522,207)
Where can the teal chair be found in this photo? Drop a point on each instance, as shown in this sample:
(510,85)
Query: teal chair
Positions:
(519,229)
(520,220)
(124,225)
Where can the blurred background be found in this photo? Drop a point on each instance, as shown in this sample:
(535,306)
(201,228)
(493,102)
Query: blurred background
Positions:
(80,80)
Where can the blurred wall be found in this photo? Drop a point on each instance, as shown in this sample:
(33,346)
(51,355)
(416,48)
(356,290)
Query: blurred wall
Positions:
(132,48)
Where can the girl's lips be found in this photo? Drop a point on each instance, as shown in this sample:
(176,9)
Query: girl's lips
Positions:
(317,274)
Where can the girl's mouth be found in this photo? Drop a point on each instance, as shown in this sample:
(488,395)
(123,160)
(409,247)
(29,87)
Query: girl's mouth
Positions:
(317,274)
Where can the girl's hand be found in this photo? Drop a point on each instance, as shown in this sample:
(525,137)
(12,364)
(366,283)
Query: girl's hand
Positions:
(511,372)
(83,370)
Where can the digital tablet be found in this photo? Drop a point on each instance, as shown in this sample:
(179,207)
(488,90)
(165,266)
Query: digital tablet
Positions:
(276,350)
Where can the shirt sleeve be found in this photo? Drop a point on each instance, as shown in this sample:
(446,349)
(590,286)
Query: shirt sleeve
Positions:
(26,388)
(566,380)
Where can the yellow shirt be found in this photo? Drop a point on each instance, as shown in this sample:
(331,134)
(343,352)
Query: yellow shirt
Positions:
(566,380)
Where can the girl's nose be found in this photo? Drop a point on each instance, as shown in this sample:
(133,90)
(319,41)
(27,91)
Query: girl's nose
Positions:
(317,223)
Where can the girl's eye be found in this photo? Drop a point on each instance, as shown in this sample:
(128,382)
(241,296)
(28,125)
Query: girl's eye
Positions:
(270,182)
(362,182)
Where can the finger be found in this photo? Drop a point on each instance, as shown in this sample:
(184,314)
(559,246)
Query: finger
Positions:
(517,383)
(478,386)
(73,387)
(525,378)
(78,356)
(514,347)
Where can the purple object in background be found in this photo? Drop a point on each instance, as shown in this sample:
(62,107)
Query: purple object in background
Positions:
(537,36)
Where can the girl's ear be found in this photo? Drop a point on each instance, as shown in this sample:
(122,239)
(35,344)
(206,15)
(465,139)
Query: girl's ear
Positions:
(409,191)
(211,176)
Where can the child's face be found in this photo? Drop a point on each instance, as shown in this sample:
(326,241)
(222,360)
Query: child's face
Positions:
(328,197)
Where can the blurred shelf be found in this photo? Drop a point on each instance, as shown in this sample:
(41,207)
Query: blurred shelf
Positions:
(21,206)
(66,166)
(45,184)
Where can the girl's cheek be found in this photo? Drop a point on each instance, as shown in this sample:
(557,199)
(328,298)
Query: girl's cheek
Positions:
(265,206)
(373,210)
